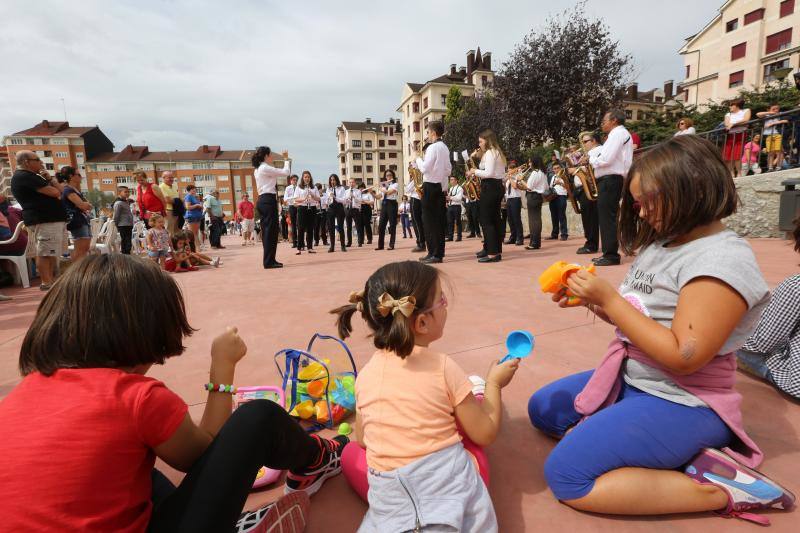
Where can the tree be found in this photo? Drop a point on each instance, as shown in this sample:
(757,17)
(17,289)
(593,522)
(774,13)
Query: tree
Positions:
(562,79)
(99,199)
(454,103)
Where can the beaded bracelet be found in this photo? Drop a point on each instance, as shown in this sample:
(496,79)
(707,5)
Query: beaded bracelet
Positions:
(211,387)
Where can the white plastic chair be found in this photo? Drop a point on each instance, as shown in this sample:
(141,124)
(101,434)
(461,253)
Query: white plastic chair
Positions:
(137,238)
(106,239)
(20,261)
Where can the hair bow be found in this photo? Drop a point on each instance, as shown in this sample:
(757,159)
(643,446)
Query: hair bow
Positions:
(405,305)
(357,297)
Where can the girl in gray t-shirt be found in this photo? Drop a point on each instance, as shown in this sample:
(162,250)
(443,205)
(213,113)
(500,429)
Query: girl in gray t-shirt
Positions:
(663,399)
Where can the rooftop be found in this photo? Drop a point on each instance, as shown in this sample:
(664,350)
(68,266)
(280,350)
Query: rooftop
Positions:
(143,154)
(48,128)
(483,308)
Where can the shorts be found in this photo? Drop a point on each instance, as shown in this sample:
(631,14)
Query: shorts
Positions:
(248,224)
(155,254)
(774,143)
(83,232)
(49,238)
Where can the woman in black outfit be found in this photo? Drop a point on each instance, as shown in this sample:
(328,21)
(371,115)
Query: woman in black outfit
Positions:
(388,209)
(336,200)
(305,199)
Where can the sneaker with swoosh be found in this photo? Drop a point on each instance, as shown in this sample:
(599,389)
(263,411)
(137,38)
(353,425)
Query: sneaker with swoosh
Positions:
(747,489)
(329,465)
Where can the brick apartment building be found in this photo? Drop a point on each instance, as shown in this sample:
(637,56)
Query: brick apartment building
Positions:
(88,149)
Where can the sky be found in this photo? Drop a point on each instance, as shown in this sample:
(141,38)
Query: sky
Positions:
(176,74)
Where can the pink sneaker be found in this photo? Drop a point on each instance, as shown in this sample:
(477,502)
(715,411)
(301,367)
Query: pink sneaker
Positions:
(748,490)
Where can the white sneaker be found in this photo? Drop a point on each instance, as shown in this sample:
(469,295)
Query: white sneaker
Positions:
(215,262)
(4,298)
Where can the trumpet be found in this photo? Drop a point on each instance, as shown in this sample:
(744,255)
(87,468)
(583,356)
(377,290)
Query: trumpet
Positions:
(519,175)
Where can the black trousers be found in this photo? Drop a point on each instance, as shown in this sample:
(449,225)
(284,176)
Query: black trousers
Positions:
(514,208)
(125,235)
(417,223)
(284,224)
(293,220)
(454,217)
(388,217)
(434,218)
(211,496)
(336,223)
(366,221)
(610,193)
(215,231)
(492,192)
(591,227)
(306,217)
(558,216)
(321,227)
(472,219)
(268,211)
(534,203)
(354,217)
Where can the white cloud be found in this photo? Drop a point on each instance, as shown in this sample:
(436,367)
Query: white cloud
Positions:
(180,73)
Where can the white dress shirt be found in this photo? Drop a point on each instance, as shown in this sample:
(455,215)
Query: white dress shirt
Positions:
(390,191)
(555,183)
(436,166)
(305,197)
(411,190)
(340,194)
(353,200)
(267,178)
(511,192)
(594,152)
(404,208)
(615,156)
(367,198)
(456,194)
(288,194)
(537,182)
(492,166)
(324,200)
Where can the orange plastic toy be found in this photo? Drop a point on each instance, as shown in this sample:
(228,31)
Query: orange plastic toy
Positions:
(555,278)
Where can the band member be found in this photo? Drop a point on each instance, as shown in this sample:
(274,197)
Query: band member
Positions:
(284,218)
(534,197)
(611,165)
(388,209)
(455,197)
(491,172)
(367,203)
(305,198)
(558,205)
(320,221)
(353,213)
(336,198)
(405,217)
(471,207)
(514,210)
(267,185)
(416,216)
(287,198)
(591,228)
(435,168)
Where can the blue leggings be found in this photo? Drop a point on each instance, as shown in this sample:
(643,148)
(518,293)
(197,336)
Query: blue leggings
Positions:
(640,430)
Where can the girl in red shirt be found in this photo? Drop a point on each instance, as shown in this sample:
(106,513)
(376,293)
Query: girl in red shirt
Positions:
(84,426)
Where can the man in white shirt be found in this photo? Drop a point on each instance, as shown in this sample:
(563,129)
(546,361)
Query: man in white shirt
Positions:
(537,187)
(288,200)
(455,197)
(590,142)
(435,170)
(352,210)
(611,166)
(266,177)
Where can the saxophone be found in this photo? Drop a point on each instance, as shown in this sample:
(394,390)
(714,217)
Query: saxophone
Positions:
(472,184)
(416,174)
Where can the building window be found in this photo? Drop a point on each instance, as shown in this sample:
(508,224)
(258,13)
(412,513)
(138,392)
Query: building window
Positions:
(754,16)
(738,51)
(357,157)
(779,41)
(629,114)
(382,168)
(108,181)
(344,172)
(186,179)
(202,165)
(49,166)
(224,189)
(415,107)
(369,156)
(392,142)
(392,155)
(383,155)
(408,110)
(772,67)
(444,100)
(17,141)
(736,79)
(787,8)
(79,156)
(367,144)
(341,147)
(416,126)
(484,81)
(369,168)
(46,153)
(381,143)
(425,103)
(731,25)
(61,154)
(357,168)
(355,144)
(58,141)
(393,167)
(341,159)
(426,122)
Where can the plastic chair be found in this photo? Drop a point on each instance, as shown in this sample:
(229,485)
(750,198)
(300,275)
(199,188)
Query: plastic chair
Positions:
(107,240)
(137,238)
(20,261)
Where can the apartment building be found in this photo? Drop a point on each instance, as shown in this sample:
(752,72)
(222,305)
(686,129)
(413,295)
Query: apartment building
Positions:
(5,172)
(639,105)
(367,149)
(749,43)
(422,103)
(88,149)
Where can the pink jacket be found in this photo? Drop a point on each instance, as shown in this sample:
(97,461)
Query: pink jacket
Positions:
(713,384)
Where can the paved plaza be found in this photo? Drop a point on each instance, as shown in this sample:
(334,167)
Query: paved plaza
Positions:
(282,308)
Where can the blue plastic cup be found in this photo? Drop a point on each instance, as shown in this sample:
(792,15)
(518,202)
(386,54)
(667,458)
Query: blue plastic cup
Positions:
(519,344)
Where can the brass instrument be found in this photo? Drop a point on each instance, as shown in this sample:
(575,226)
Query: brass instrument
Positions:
(472,184)
(585,173)
(520,175)
(416,174)
(566,180)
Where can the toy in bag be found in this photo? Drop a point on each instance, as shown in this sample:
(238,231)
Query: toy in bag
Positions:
(265,476)
(319,390)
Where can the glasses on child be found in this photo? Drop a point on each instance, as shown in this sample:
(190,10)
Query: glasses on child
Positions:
(441,303)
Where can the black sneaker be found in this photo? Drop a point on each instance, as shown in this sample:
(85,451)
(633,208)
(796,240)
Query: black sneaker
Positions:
(330,464)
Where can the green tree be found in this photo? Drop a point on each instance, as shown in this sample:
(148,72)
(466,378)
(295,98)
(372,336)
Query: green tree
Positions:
(454,104)
(99,199)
